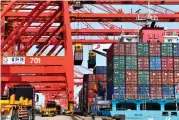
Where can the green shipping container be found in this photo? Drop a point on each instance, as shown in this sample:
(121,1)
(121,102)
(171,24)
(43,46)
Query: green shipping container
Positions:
(143,49)
(117,63)
(143,77)
(131,63)
(118,77)
(167,49)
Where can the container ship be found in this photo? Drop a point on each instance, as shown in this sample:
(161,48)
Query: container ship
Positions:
(142,79)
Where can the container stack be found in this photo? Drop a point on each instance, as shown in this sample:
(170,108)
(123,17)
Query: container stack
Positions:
(142,71)
(93,84)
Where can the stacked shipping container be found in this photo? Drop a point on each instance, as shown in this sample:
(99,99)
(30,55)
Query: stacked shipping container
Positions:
(91,86)
(142,70)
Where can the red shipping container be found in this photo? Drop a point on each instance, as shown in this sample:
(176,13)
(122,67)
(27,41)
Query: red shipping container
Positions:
(91,94)
(131,77)
(100,77)
(176,77)
(155,91)
(167,63)
(131,91)
(90,101)
(143,63)
(154,49)
(91,77)
(155,77)
(167,78)
(116,49)
(176,63)
(131,49)
(91,85)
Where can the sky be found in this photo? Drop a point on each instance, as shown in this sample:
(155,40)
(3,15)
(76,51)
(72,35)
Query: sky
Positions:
(100,59)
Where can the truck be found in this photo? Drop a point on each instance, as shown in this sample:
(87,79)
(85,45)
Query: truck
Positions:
(50,109)
(19,103)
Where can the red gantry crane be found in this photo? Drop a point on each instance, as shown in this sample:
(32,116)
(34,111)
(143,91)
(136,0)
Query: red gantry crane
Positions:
(46,23)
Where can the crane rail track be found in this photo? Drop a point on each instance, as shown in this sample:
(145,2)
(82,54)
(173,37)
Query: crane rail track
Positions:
(76,117)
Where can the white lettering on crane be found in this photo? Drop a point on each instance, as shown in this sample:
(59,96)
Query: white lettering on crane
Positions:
(35,60)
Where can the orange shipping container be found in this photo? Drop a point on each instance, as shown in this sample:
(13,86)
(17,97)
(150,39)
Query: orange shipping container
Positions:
(167,78)
(155,91)
(176,63)
(100,77)
(155,77)
(176,77)
(131,91)
(90,101)
(131,77)
(91,94)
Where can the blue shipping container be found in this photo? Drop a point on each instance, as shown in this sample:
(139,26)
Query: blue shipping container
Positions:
(168,91)
(155,63)
(143,91)
(100,70)
(119,92)
(176,49)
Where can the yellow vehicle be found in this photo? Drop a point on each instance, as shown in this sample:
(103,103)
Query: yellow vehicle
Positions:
(71,110)
(50,109)
(18,105)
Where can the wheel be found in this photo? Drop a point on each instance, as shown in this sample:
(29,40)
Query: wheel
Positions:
(16,115)
(29,116)
(13,115)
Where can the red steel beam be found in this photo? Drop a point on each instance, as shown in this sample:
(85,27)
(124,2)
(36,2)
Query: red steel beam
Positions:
(7,8)
(41,84)
(114,17)
(32,69)
(41,31)
(82,41)
(68,50)
(10,37)
(48,89)
(40,60)
(48,42)
(138,2)
(95,32)
(59,78)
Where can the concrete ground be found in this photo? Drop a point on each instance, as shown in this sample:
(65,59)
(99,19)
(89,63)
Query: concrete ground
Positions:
(60,117)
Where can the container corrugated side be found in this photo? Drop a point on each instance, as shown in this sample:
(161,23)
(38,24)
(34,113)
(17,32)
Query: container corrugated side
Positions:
(167,63)
(167,78)
(131,63)
(131,49)
(167,49)
(176,63)
(176,77)
(154,49)
(176,49)
(155,77)
(131,91)
(131,77)
(155,63)
(143,63)
(144,91)
(143,77)
(168,91)
(155,91)
(119,92)
(143,49)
